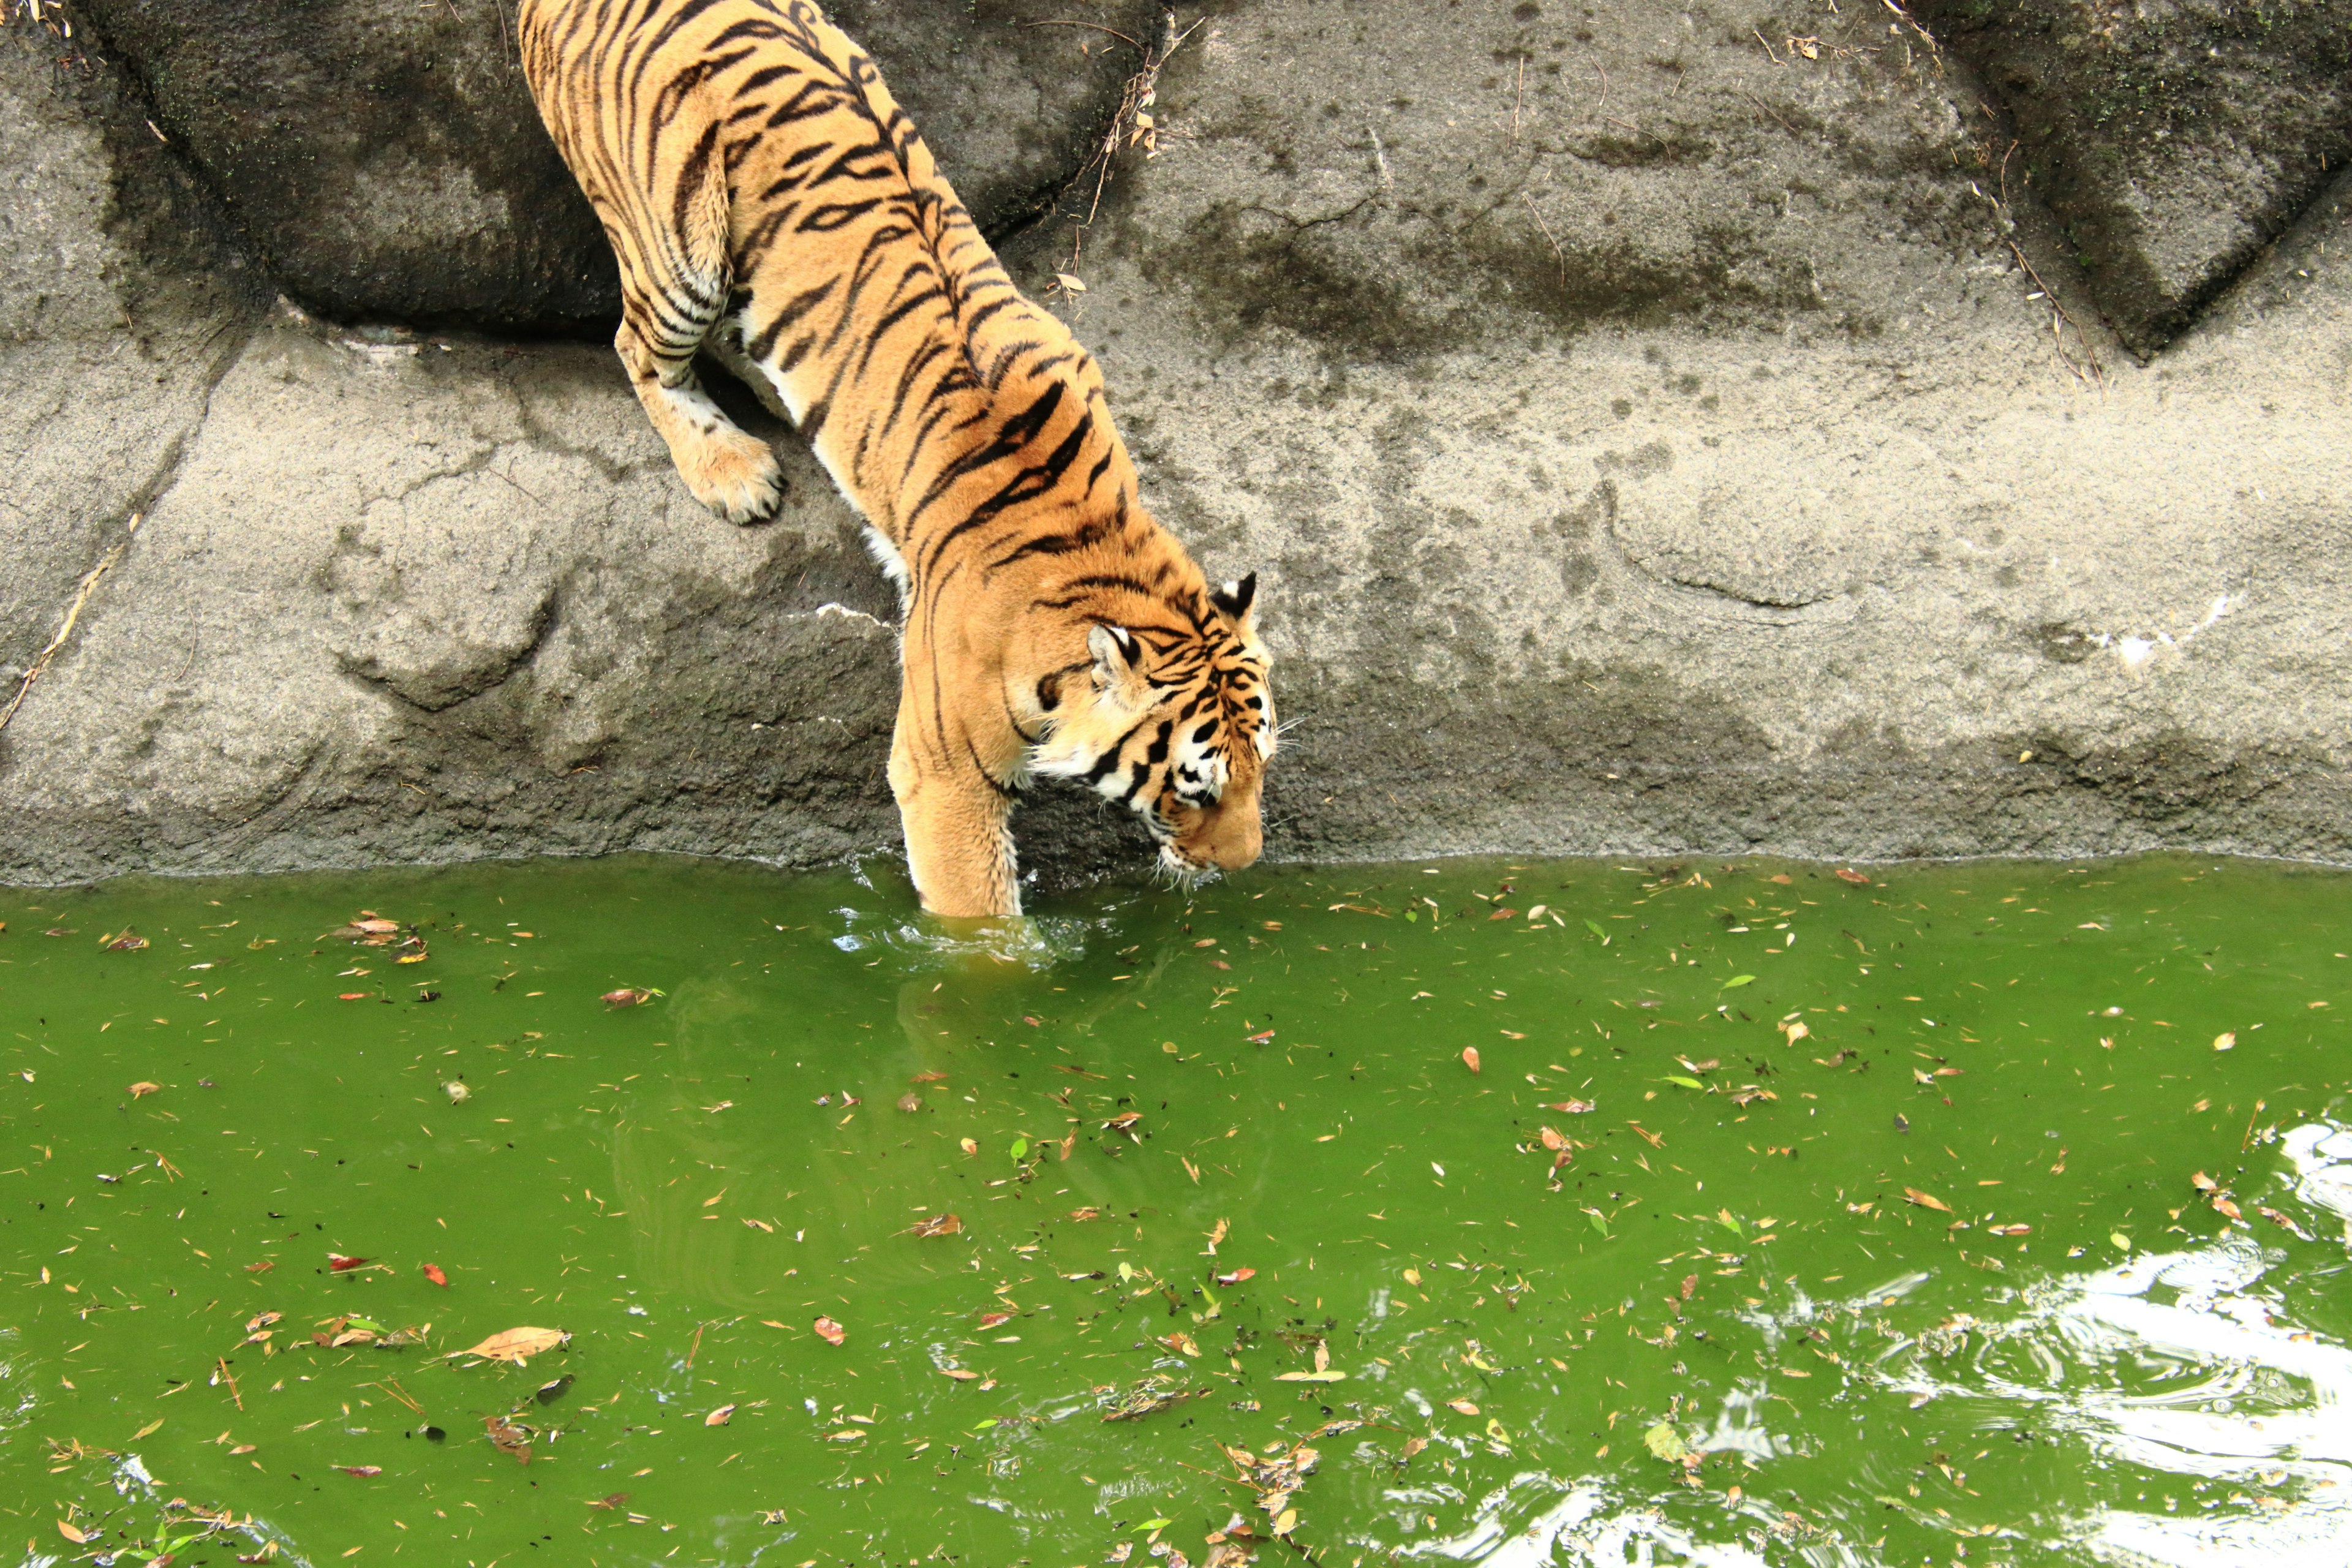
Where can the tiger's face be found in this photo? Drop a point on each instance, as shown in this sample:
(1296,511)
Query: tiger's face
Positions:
(1177,725)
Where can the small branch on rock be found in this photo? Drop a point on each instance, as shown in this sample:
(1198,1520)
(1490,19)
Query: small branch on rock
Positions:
(1132,123)
(1558,254)
(2059,320)
(73,613)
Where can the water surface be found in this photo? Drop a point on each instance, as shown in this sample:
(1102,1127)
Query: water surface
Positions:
(1982,1214)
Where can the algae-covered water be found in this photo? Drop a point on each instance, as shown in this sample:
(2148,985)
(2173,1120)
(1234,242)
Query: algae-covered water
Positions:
(1983,1214)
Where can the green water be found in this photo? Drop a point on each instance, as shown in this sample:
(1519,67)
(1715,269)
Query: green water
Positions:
(1721,1333)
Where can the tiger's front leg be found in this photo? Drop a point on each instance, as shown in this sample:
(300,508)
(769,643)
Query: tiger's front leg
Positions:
(729,470)
(956,817)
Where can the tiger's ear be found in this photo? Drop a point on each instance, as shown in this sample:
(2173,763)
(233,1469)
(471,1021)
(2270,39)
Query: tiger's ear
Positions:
(1234,599)
(1117,656)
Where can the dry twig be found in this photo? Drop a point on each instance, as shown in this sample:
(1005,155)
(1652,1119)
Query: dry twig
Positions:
(73,613)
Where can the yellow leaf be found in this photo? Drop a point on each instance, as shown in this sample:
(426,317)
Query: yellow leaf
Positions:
(72,1534)
(1072,284)
(1927,1200)
(149,1430)
(517,1345)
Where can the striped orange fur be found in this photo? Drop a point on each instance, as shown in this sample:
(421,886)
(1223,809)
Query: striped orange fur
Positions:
(768,201)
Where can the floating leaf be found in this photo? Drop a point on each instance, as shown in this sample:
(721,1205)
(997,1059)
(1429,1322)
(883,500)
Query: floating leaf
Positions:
(1463,1406)
(938,1225)
(1327,1375)
(1470,1057)
(1927,1200)
(828,1330)
(1666,1443)
(72,1534)
(343,1263)
(517,1345)
(2226,1042)
(1681,1083)
(1735,981)
(361,1470)
(630,997)
(433,1271)
(1572,1107)
(1847,874)
(142,1089)
(720,1417)
(1236,1276)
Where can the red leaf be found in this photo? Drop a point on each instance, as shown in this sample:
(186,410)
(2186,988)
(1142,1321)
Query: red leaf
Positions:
(433,1272)
(990,1319)
(1238,1276)
(361,1469)
(1846,874)
(352,995)
(342,1264)
(831,1333)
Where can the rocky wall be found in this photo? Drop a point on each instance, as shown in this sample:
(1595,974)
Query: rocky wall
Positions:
(1657,428)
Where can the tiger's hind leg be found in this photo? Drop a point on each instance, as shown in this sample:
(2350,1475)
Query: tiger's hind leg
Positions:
(673,289)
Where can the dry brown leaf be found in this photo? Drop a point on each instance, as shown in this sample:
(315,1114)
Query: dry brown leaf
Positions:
(1470,1057)
(1927,1200)
(938,1225)
(720,1417)
(143,1087)
(828,1330)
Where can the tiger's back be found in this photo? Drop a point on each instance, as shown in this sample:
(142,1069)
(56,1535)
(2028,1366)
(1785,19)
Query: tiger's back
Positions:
(768,199)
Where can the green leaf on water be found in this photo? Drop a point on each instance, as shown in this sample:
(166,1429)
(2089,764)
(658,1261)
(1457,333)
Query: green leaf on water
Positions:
(1685,1082)
(1413,915)
(2120,1239)
(985,1425)
(1020,1148)
(1737,980)
(1155,1524)
(1595,928)
(1731,1225)
(1600,1222)
(1666,1444)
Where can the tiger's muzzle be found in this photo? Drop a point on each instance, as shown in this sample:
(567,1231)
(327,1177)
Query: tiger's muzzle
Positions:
(1227,837)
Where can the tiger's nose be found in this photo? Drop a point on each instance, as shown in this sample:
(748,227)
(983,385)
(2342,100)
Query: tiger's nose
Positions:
(1228,836)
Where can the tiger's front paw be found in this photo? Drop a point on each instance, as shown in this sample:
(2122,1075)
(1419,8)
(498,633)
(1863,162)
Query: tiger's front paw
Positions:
(735,475)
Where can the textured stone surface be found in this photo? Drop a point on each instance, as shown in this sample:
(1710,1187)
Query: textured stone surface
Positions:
(2173,138)
(118,309)
(385,163)
(1854,567)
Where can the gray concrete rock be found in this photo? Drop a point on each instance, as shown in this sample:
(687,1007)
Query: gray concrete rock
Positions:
(118,310)
(2173,138)
(386,165)
(1877,559)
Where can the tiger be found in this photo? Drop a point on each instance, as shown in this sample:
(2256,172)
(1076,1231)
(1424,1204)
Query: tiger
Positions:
(769,201)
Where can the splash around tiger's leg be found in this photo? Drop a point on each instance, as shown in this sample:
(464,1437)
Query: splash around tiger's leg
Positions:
(729,470)
(957,822)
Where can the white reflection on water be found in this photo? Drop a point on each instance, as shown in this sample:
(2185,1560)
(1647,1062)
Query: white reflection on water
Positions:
(1588,1525)
(2166,1365)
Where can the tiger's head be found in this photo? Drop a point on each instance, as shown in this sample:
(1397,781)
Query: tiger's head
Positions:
(1176,723)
